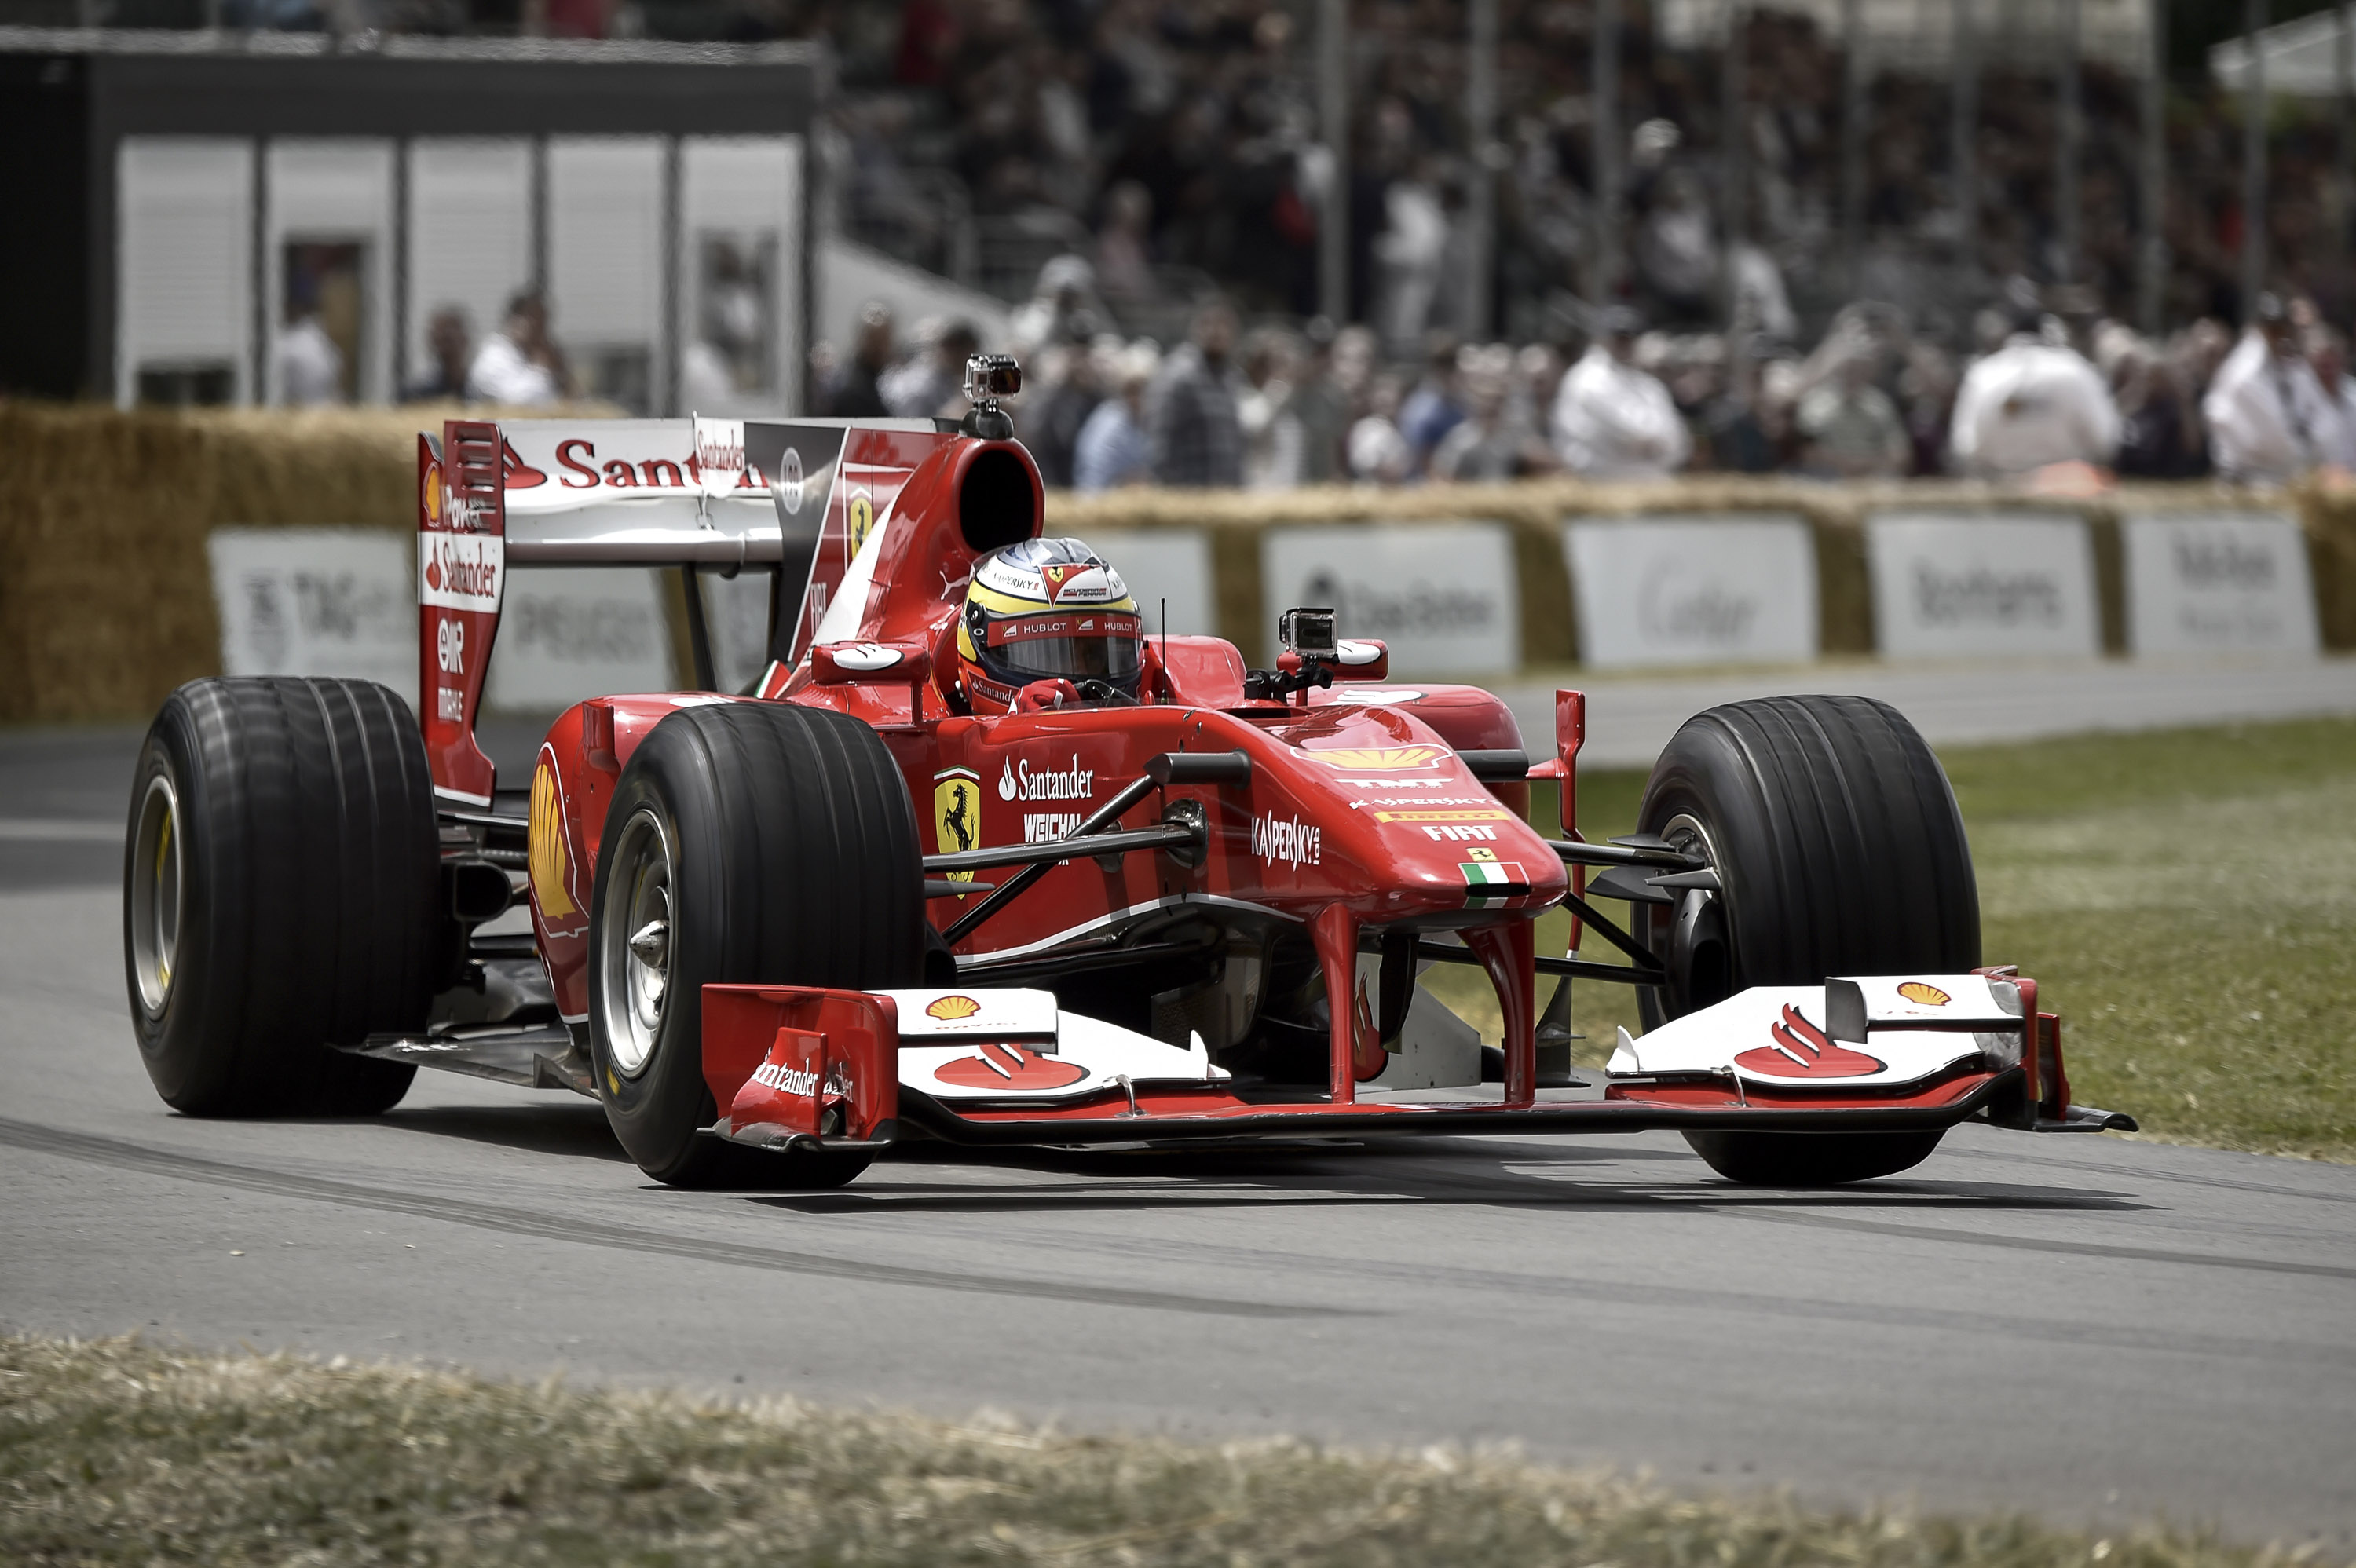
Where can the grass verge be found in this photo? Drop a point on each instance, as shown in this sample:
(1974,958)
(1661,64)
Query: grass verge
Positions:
(2186,898)
(114,1452)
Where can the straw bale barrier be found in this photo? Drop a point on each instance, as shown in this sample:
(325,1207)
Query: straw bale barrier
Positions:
(106,602)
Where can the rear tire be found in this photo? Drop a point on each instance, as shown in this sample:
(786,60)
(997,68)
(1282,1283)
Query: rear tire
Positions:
(747,842)
(281,881)
(1839,850)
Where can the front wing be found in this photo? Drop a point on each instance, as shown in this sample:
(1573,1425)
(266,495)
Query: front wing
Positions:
(810,1068)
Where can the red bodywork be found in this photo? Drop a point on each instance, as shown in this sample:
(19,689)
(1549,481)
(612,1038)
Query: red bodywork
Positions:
(1359,815)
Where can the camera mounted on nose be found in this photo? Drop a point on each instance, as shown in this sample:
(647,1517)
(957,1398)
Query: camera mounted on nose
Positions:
(1308,660)
(987,378)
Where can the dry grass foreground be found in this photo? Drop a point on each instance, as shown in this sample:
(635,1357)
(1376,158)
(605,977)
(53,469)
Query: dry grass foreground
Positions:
(2187,899)
(114,1452)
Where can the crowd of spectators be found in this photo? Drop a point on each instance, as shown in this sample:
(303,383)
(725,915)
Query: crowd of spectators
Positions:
(2054,394)
(1180,135)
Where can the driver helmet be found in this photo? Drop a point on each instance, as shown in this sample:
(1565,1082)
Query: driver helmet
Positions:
(1044,609)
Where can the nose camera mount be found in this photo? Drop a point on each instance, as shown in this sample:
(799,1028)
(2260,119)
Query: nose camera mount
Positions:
(987,378)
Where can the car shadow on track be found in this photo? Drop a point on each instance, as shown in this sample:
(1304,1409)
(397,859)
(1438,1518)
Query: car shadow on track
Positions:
(1472,1175)
(575,1130)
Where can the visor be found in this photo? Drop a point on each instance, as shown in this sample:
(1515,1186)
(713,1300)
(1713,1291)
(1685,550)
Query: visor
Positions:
(1100,645)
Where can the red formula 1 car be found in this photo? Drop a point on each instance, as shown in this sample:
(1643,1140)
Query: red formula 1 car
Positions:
(982,858)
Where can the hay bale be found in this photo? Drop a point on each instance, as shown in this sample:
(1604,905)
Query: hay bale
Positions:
(106,598)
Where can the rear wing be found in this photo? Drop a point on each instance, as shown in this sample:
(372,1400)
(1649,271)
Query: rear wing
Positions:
(794,498)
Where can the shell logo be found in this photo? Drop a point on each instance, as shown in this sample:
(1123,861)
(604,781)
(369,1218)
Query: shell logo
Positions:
(550,874)
(1923,995)
(948,1009)
(430,494)
(1381,760)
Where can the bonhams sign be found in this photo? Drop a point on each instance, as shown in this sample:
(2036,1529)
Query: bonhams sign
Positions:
(2218,581)
(1967,585)
(1443,595)
(1693,590)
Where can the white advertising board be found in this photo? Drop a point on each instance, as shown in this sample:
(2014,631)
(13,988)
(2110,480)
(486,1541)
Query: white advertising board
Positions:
(1445,596)
(2219,582)
(336,601)
(1166,563)
(1693,590)
(572,632)
(1975,584)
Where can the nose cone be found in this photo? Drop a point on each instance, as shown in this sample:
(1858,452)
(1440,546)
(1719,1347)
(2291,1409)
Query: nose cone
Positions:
(1423,838)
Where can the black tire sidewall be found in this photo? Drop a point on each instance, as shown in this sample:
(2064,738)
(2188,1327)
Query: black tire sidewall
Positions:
(171,1039)
(308,896)
(768,809)
(1838,847)
(655,1112)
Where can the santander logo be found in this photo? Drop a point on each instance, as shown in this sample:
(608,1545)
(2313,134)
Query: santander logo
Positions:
(461,571)
(1801,1050)
(1008,1067)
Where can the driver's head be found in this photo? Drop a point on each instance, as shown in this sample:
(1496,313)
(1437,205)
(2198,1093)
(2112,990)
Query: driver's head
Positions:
(1042,610)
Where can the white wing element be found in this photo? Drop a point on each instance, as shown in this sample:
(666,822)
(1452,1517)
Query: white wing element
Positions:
(1846,1033)
(866,657)
(987,1044)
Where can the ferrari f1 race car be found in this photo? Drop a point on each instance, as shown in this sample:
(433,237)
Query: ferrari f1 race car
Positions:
(984,857)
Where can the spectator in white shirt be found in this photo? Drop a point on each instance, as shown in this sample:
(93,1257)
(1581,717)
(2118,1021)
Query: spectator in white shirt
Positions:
(2327,355)
(2033,403)
(2269,418)
(1612,421)
(310,365)
(518,365)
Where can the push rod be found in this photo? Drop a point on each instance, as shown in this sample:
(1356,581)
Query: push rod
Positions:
(1160,835)
(1621,855)
(1645,974)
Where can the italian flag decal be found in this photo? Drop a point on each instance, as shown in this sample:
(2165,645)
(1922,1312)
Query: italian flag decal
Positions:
(1485,879)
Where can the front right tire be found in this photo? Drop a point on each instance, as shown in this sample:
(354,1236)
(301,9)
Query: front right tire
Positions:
(1839,850)
(756,842)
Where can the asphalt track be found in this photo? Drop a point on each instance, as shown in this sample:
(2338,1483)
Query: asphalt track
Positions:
(2095,1330)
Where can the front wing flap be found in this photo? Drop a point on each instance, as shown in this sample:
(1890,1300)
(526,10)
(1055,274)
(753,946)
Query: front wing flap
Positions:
(799,1066)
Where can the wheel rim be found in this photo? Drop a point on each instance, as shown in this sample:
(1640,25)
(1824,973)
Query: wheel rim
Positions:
(637,939)
(1699,958)
(155,893)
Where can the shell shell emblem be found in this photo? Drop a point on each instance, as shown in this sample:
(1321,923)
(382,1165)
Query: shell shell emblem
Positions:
(1923,995)
(948,1009)
(551,877)
(1380,760)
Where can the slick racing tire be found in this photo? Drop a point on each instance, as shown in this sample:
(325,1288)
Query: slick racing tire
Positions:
(280,887)
(747,842)
(1839,850)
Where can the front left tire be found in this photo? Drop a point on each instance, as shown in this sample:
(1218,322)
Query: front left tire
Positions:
(747,842)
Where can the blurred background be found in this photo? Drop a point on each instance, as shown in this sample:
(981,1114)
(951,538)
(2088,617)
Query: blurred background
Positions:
(1374,234)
